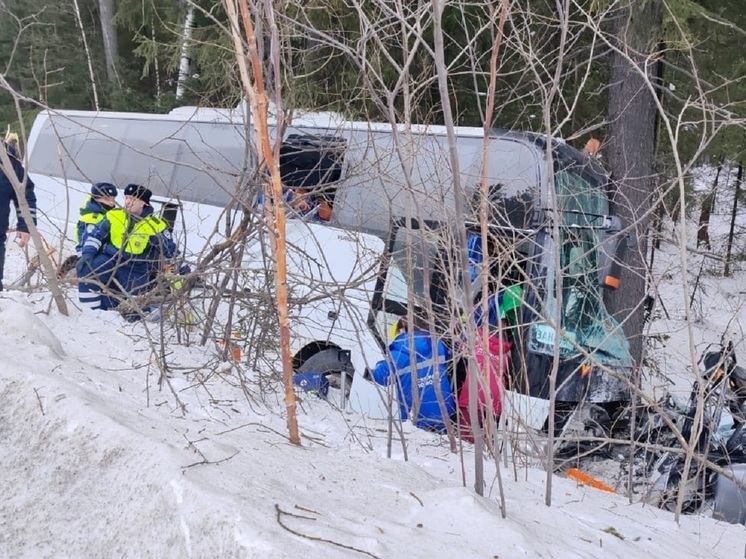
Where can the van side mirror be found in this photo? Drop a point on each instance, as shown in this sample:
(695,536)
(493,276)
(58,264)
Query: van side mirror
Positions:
(169,213)
(611,253)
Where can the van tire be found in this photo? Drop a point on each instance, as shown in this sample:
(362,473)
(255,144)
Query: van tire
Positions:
(328,363)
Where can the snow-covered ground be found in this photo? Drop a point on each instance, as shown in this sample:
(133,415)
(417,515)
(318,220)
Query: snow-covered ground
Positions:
(104,455)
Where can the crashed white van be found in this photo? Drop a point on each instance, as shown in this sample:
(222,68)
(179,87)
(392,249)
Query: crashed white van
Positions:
(200,165)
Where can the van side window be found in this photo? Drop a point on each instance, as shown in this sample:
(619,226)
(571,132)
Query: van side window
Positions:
(313,163)
(504,208)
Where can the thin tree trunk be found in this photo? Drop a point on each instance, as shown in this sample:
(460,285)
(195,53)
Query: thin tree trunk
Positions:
(484,221)
(184,63)
(91,74)
(458,196)
(732,229)
(708,205)
(258,103)
(563,14)
(156,66)
(110,37)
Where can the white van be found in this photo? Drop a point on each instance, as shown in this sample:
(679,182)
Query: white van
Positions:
(372,174)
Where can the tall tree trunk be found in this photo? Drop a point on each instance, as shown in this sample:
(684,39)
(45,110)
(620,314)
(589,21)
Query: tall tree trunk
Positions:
(483,221)
(110,37)
(91,73)
(708,204)
(732,229)
(632,116)
(254,87)
(459,204)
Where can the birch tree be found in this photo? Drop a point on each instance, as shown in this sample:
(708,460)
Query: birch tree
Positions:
(254,85)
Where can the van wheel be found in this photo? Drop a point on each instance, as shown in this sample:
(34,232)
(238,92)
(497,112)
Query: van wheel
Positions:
(329,364)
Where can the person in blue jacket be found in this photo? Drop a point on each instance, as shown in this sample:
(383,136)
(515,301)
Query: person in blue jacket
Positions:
(126,249)
(504,305)
(102,199)
(429,379)
(474,250)
(8,196)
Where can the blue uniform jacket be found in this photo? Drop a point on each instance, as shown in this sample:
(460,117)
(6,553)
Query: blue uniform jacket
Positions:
(8,194)
(474,249)
(84,229)
(430,416)
(132,270)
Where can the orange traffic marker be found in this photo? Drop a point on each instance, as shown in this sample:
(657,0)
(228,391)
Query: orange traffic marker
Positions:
(585,479)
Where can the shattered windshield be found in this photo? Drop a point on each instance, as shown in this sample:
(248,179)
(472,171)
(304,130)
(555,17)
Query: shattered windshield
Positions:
(585,322)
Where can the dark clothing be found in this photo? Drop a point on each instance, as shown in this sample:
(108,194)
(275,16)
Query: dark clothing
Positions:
(103,270)
(429,380)
(8,195)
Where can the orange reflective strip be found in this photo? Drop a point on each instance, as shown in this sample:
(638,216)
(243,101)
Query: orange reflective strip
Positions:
(611,281)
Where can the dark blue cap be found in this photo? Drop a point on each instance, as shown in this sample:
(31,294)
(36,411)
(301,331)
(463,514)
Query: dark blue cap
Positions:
(138,191)
(104,189)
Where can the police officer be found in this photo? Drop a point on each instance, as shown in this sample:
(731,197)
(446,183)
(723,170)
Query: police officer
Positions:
(8,195)
(124,251)
(102,199)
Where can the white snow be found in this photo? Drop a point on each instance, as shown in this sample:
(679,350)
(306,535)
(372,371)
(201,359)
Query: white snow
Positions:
(104,455)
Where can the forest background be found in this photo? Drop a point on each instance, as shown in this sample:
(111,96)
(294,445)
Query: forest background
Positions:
(125,55)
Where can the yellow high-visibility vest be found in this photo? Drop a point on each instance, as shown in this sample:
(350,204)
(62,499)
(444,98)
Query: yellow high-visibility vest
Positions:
(88,219)
(136,240)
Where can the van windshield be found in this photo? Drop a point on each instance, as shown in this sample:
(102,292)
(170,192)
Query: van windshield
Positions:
(581,197)
(586,325)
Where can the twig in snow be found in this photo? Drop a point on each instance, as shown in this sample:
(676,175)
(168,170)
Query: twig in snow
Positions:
(212,462)
(281,512)
(307,510)
(38,399)
(204,460)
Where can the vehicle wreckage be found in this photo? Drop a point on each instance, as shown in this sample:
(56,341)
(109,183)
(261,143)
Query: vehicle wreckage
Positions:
(689,454)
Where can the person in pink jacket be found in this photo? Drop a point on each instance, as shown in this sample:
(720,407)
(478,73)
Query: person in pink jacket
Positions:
(493,367)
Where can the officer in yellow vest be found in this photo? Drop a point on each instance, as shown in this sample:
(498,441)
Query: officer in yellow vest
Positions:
(102,199)
(125,250)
